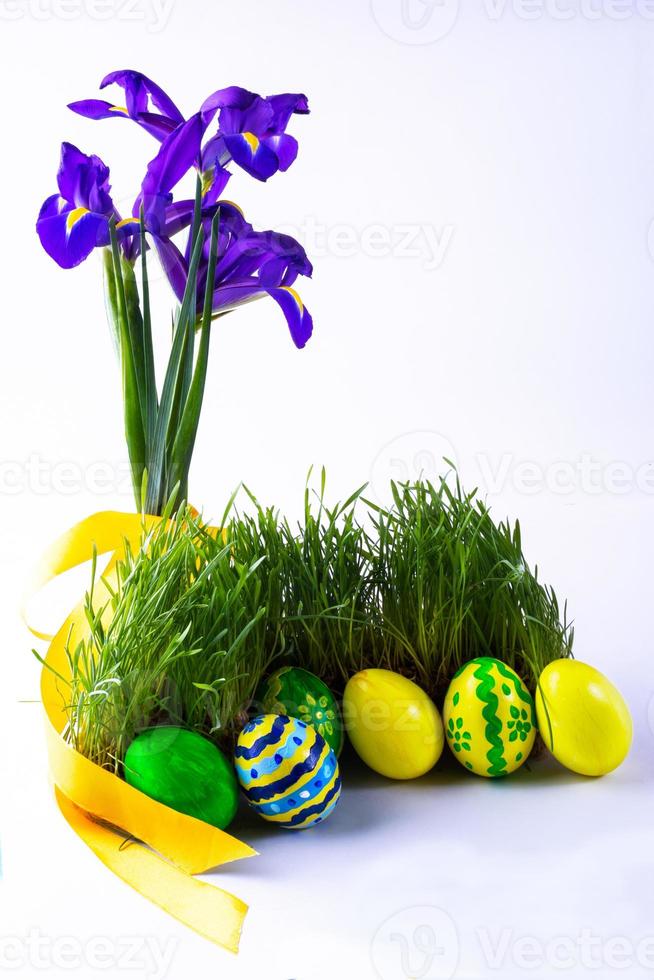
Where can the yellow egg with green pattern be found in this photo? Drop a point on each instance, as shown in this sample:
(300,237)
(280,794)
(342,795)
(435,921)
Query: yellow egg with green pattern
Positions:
(489,717)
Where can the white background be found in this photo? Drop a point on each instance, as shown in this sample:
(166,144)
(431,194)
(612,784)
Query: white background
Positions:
(519,139)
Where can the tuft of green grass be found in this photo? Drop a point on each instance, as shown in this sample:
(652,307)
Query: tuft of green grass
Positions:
(186,642)
(451,585)
(197,620)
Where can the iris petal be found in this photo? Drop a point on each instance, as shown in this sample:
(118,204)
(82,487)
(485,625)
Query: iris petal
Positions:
(97,109)
(158,126)
(255,157)
(298,318)
(214,181)
(233,97)
(178,153)
(155,125)
(284,147)
(300,321)
(284,106)
(80,177)
(138,89)
(71,235)
(173,262)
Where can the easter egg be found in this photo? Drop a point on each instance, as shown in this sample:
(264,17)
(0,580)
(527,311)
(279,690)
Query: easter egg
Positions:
(185,771)
(582,718)
(393,725)
(298,693)
(489,717)
(287,771)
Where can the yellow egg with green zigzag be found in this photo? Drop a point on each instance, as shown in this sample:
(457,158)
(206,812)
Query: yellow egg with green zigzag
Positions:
(489,717)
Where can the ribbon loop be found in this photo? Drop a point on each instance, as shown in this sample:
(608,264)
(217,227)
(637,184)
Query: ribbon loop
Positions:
(87,793)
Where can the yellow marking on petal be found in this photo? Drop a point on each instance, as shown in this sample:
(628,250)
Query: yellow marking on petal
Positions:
(119,108)
(127,221)
(251,140)
(234,205)
(289,289)
(207,180)
(73,217)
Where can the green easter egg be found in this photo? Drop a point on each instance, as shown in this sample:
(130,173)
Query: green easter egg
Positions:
(300,694)
(185,771)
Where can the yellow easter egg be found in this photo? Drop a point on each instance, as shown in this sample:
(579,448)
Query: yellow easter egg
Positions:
(393,725)
(489,718)
(582,718)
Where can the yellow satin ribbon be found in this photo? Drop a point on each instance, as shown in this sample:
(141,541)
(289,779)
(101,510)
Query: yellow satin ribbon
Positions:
(102,808)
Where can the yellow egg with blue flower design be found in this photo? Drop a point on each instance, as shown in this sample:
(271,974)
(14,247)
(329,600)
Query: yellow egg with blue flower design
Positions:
(287,771)
(489,718)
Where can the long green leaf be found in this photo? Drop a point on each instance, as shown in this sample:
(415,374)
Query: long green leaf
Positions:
(111,298)
(135,328)
(151,400)
(157,482)
(186,375)
(188,427)
(134,432)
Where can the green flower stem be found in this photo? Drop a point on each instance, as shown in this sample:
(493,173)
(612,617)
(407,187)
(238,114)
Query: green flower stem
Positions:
(160,487)
(188,426)
(129,357)
(151,399)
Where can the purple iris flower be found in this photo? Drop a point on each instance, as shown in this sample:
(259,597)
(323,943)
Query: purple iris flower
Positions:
(251,264)
(142,95)
(76,220)
(252,130)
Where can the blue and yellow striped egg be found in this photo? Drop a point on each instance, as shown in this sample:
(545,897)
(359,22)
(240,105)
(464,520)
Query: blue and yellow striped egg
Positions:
(489,717)
(288,772)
